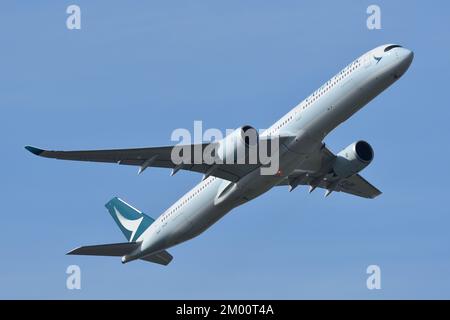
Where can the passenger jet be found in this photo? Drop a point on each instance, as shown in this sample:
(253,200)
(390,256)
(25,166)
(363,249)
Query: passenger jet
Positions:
(303,160)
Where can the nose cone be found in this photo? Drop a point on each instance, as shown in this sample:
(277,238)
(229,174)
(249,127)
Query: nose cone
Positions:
(404,60)
(406,56)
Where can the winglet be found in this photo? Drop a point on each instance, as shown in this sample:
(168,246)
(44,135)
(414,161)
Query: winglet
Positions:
(34,150)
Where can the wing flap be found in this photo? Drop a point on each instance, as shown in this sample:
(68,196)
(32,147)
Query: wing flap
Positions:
(355,185)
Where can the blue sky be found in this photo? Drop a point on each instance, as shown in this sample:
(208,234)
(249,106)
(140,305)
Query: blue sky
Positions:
(138,70)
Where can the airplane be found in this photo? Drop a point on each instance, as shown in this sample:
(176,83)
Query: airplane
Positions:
(303,160)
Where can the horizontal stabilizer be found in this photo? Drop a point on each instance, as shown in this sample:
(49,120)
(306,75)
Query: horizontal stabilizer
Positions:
(121,249)
(162,257)
(111,250)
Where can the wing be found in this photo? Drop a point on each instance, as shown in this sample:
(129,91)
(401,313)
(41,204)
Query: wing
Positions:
(152,157)
(359,186)
(316,173)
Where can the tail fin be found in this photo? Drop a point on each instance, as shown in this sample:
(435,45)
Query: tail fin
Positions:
(130,220)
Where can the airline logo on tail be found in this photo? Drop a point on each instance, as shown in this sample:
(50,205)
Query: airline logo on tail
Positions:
(130,220)
(130,225)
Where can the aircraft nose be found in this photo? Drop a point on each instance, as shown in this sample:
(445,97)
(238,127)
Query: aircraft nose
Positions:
(406,56)
(404,60)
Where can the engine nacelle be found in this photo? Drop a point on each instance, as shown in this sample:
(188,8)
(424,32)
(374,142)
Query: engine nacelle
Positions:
(353,159)
(240,146)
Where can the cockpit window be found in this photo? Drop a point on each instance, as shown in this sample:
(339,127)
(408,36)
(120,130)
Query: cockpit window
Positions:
(391,47)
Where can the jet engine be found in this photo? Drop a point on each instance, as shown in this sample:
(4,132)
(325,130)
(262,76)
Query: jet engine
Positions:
(240,146)
(353,159)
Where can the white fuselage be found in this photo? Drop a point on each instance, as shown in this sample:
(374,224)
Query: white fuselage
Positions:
(310,121)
